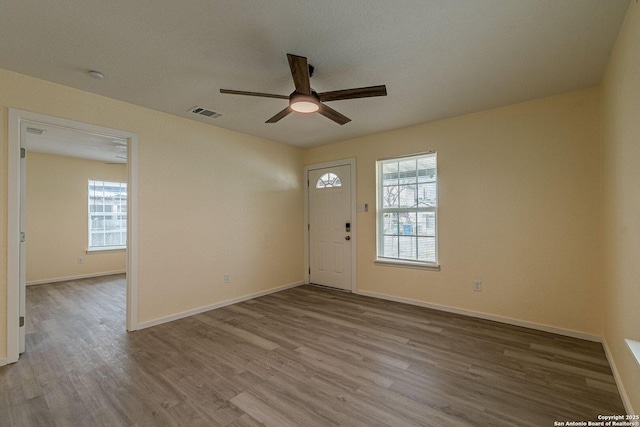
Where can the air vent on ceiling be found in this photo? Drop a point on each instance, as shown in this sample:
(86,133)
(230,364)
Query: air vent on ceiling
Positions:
(35,131)
(205,112)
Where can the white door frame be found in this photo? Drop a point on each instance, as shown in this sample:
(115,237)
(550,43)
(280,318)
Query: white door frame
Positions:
(13,219)
(354,223)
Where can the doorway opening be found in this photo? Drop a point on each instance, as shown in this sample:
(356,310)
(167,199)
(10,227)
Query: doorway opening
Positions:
(53,141)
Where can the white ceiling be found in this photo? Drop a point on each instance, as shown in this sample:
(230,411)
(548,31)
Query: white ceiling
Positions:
(438,58)
(61,141)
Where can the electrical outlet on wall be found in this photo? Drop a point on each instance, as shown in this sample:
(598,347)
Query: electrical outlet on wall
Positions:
(477,285)
(227,278)
(80,260)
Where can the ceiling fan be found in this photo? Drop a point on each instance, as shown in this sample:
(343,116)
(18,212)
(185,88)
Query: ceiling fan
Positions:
(306,100)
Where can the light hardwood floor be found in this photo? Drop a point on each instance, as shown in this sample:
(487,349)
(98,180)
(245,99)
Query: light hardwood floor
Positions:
(302,357)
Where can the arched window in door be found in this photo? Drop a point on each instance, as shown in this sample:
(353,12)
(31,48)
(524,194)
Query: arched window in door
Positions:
(328,180)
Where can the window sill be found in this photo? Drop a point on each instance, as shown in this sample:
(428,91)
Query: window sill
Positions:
(634,346)
(406,264)
(106,249)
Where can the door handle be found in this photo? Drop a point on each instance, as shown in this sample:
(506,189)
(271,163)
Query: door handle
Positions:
(347,237)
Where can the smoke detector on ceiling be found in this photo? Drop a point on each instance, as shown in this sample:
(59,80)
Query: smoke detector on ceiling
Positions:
(205,112)
(96,74)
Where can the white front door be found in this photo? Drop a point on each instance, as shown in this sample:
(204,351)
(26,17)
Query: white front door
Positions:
(330,227)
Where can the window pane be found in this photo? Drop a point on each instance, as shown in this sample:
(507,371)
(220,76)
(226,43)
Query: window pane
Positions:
(427,249)
(407,174)
(427,194)
(97,222)
(109,239)
(97,193)
(328,180)
(407,198)
(390,173)
(113,239)
(390,247)
(426,224)
(390,223)
(390,197)
(97,239)
(427,169)
(407,247)
(408,224)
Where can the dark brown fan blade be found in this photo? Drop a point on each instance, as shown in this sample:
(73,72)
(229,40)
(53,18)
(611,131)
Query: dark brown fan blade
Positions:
(333,115)
(300,73)
(361,92)
(279,116)
(264,95)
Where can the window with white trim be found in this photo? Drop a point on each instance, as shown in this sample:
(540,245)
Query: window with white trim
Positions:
(407,207)
(107,214)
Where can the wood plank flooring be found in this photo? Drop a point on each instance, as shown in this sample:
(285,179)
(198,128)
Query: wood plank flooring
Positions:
(302,357)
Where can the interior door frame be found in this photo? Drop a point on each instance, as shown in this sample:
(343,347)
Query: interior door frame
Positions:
(354,223)
(16,117)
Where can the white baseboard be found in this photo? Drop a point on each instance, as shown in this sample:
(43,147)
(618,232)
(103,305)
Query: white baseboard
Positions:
(4,361)
(486,316)
(220,304)
(618,378)
(78,277)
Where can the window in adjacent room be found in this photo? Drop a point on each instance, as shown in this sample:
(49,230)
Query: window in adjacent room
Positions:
(407,209)
(107,215)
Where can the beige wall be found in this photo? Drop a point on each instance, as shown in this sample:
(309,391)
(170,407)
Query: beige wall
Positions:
(621,106)
(57,218)
(210,201)
(518,209)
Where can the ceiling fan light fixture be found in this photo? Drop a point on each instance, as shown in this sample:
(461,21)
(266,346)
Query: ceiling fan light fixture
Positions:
(304,103)
(306,100)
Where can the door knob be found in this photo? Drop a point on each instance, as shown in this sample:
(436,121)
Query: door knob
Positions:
(347,237)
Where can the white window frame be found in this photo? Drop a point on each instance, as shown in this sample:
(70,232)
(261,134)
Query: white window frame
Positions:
(380,211)
(90,247)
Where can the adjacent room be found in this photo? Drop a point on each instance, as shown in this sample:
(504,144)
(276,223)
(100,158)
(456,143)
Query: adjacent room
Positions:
(75,204)
(243,213)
